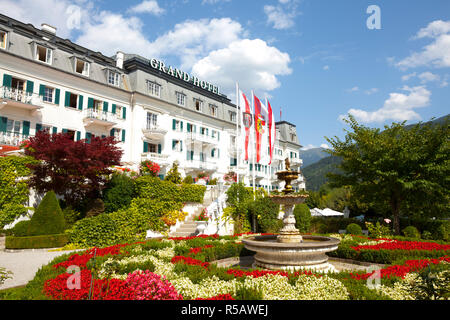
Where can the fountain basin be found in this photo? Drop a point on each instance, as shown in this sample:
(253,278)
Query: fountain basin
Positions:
(291,256)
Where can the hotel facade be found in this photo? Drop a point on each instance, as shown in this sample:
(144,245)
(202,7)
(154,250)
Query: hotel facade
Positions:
(156,112)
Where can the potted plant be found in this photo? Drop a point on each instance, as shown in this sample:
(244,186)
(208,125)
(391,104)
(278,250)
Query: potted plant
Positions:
(201,221)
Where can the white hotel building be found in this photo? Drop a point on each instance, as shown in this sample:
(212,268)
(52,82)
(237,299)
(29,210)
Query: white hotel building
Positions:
(156,112)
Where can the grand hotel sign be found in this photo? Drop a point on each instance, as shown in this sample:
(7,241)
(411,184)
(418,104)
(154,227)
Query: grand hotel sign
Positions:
(159,65)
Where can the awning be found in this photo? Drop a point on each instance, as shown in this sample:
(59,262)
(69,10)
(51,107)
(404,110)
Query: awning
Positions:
(327,212)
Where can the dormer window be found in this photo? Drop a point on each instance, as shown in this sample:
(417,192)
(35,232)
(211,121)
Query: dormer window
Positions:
(3,39)
(154,89)
(198,105)
(82,67)
(44,54)
(213,110)
(181,99)
(113,78)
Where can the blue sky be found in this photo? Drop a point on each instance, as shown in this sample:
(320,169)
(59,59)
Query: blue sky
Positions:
(315,59)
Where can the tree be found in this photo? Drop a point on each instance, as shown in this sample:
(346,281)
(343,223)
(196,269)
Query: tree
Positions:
(72,169)
(48,218)
(397,168)
(174,175)
(302,217)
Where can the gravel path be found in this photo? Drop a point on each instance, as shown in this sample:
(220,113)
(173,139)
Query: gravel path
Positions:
(24,264)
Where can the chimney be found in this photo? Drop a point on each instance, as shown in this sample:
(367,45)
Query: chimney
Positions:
(119,59)
(48,28)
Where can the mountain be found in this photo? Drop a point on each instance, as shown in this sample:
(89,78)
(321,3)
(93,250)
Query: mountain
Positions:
(313,155)
(315,174)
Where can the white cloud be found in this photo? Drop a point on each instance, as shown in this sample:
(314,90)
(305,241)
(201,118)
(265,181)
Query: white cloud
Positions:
(371,91)
(437,53)
(398,107)
(354,89)
(406,77)
(279,18)
(214,1)
(325,146)
(148,6)
(428,77)
(326,68)
(253,63)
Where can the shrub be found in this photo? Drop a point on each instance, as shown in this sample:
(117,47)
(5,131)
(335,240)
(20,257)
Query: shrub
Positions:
(149,167)
(96,207)
(48,218)
(96,231)
(192,193)
(70,215)
(266,214)
(302,217)
(354,229)
(427,235)
(173,175)
(332,225)
(21,228)
(188,180)
(411,232)
(36,242)
(213,182)
(10,212)
(119,192)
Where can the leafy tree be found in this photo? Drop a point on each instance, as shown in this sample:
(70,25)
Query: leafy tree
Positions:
(173,175)
(396,168)
(119,192)
(302,217)
(73,169)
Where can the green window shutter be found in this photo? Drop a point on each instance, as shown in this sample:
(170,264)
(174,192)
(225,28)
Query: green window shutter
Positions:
(174,142)
(64,130)
(113,110)
(145,147)
(3,124)
(7,80)
(55,130)
(80,102)
(57,94)
(181,126)
(111,133)
(189,129)
(78,135)
(212,153)
(30,87)
(159,148)
(90,103)
(103,136)
(88,137)
(42,90)
(207,132)
(26,128)
(105,106)
(67,99)
(181,145)
(174,124)
(124,113)
(123,135)
(38,127)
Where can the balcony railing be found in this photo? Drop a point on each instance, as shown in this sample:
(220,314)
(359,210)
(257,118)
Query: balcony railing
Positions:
(296,161)
(156,157)
(95,116)
(153,131)
(12,138)
(201,138)
(20,98)
(201,165)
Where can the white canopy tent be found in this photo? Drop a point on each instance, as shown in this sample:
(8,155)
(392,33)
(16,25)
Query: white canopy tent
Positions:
(327,212)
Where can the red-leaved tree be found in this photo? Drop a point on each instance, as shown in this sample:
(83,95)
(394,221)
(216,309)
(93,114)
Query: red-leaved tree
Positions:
(73,169)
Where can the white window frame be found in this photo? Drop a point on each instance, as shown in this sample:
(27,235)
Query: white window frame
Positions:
(178,125)
(200,104)
(177,146)
(181,99)
(213,110)
(45,94)
(4,43)
(232,116)
(12,127)
(154,89)
(86,67)
(115,77)
(48,54)
(152,120)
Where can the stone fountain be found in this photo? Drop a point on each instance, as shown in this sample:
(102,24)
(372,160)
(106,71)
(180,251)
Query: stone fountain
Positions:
(289,250)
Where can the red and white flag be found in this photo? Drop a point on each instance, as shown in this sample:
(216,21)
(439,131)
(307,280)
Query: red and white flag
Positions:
(261,119)
(246,124)
(272,131)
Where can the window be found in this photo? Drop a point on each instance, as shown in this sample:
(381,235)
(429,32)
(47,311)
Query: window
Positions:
(73,101)
(17,84)
(44,54)
(13,126)
(232,116)
(178,126)
(181,99)
(204,131)
(292,136)
(152,120)
(152,148)
(98,105)
(177,145)
(113,78)
(198,105)
(3,37)
(82,67)
(48,95)
(213,110)
(154,89)
(213,134)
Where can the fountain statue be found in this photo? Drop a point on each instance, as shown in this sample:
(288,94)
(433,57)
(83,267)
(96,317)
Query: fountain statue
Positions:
(289,250)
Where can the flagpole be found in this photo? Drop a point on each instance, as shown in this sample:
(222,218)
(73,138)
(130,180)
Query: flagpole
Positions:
(254,144)
(237,132)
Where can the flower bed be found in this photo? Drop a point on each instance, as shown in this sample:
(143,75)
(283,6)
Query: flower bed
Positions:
(182,268)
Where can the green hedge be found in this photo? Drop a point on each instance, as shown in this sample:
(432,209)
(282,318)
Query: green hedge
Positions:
(332,225)
(36,242)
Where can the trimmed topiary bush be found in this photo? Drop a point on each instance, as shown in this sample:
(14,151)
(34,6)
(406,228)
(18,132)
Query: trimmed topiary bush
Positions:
(411,232)
(48,218)
(119,192)
(36,242)
(354,229)
(188,180)
(302,217)
(21,228)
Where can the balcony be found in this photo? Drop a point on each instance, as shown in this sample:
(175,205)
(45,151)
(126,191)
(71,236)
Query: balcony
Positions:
(100,118)
(161,159)
(12,138)
(200,165)
(154,132)
(296,162)
(198,138)
(20,99)
(232,150)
